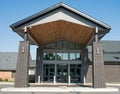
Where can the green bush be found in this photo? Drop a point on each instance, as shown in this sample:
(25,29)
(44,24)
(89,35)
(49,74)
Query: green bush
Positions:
(6,80)
(1,79)
(10,80)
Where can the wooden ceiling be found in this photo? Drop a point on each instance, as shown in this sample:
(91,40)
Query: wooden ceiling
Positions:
(61,30)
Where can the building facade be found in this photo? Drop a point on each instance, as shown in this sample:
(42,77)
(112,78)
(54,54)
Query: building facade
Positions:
(63,35)
(8,62)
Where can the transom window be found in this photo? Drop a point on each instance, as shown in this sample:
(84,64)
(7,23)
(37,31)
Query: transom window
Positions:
(49,56)
(62,56)
(75,56)
(62,45)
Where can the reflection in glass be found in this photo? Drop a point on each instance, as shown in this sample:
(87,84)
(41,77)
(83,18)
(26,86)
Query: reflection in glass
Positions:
(78,56)
(72,56)
(62,56)
(52,45)
(59,44)
(65,56)
(65,45)
(62,44)
(49,56)
(59,56)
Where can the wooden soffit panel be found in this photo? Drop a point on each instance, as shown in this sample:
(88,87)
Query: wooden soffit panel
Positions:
(61,30)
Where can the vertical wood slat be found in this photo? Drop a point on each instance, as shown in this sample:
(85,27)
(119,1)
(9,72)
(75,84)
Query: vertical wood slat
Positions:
(62,30)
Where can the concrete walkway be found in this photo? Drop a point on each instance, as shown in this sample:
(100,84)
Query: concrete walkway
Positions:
(59,89)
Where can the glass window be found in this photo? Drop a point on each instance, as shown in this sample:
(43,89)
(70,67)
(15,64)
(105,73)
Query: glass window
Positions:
(71,46)
(78,56)
(59,44)
(77,46)
(47,46)
(62,44)
(45,56)
(72,56)
(49,56)
(65,56)
(59,56)
(13,74)
(65,45)
(52,45)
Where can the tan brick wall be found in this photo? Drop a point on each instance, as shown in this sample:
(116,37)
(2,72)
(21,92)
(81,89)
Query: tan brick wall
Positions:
(6,75)
(112,73)
(89,74)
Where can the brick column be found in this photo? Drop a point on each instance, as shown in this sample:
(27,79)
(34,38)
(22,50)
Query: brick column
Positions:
(84,65)
(39,64)
(98,66)
(21,76)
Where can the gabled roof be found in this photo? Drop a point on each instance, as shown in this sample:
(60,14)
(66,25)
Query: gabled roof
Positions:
(111,51)
(8,61)
(41,13)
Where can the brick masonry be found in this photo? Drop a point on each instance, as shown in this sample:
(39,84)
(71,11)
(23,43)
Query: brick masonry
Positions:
(112,73)
(21,77)
(39,64)
(98,66)
(6,75)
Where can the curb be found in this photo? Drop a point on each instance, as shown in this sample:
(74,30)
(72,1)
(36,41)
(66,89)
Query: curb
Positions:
(113,84)
(59,89)
(6,83)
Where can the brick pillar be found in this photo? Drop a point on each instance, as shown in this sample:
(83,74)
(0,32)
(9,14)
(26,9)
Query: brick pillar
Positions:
(84,65)
(39,64)
(98,66)
(21,76)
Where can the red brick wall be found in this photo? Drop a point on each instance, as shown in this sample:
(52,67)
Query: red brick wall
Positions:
(6,75)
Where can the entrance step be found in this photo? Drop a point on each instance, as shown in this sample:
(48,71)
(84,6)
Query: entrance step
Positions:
(59,85)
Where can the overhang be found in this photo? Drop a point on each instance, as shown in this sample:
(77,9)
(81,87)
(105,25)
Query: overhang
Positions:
(60,22)
(61,30)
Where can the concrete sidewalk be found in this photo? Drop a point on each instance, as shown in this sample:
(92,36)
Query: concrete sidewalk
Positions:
(60,89)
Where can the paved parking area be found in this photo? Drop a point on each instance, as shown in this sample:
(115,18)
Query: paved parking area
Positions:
(4,86)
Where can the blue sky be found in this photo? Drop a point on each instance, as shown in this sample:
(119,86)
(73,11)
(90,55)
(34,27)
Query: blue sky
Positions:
(12,11)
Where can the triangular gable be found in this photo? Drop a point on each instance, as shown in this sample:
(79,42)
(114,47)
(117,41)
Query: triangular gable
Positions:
(61,11)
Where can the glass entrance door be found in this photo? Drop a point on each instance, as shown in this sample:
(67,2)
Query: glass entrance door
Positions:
(62,73)
(75,73)
(49,72)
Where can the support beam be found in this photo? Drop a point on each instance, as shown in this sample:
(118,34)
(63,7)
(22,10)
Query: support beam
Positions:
(21,77)
(69,78)
(98,66)
(25,34)
(55,73)
(84,65)
(39,64)
(96,34)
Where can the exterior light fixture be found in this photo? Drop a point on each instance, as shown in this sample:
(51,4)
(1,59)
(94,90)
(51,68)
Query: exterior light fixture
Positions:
(23,49)
(97,51)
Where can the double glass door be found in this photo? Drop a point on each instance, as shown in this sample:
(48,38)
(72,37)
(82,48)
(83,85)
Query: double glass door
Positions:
(61,72)
(49,72)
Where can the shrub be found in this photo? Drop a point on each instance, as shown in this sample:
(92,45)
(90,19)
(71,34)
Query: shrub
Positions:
(6,80)
(11,80)
(1,79)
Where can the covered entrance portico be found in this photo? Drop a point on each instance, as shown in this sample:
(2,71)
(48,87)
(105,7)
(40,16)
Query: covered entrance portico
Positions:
(62,35)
